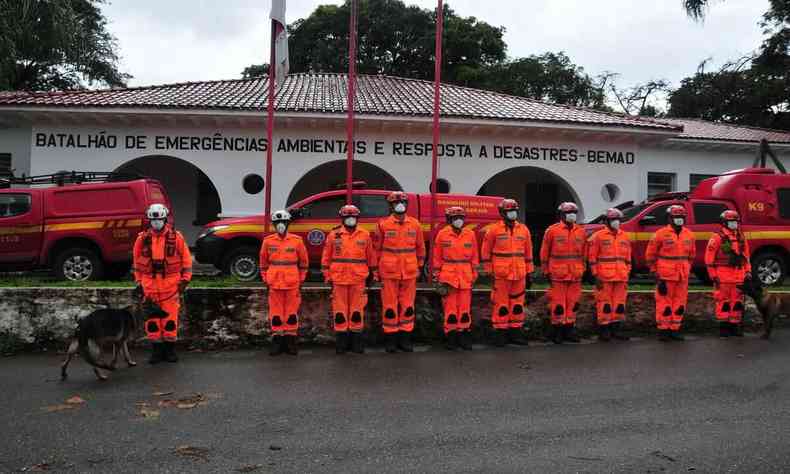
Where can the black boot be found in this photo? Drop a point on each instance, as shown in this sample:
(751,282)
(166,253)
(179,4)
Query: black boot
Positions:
(663,335)
(616,329)
(737,329)
(465,340)
(676,336)
(341,342)
(157,353)
(570,333)
(557,334)
(724,329)
(451,341)
(499,338)
(404,342)
(390,344)
(170,352)
(604,333)
(276,347)
(357,343)
(515,336)
(290,345)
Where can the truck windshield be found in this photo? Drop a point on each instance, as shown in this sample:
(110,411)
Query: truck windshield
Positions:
(628,213)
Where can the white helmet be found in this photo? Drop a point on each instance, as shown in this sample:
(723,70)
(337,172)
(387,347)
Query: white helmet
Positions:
(156,211)
(280,216)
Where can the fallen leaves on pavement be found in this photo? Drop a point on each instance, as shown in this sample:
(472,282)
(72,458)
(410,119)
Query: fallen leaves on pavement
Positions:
(193,451)
(70,404)
(249,468)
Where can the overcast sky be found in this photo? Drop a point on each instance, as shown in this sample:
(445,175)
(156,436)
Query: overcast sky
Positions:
(165,41)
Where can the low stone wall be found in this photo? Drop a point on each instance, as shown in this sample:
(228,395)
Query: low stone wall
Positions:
(47,317)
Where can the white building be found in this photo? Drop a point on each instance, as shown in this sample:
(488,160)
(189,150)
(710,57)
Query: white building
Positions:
(205,140)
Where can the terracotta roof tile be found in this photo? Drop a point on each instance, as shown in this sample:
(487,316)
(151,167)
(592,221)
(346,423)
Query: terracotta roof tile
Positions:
(326,93)
(703,130)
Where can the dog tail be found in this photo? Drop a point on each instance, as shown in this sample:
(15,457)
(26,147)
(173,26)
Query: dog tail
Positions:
(85,348)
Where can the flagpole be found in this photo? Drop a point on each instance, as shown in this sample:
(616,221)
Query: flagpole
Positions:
(352,78)
(437,80)
(270,130)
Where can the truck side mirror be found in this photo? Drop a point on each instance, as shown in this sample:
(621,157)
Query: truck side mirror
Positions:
(647,220)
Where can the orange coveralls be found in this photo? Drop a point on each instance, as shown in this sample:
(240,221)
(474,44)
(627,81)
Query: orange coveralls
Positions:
(346,261)
(284,264)
(400,247)
(455,261)
(562,254)
(729,300)
(669,255)
(162,261)
(508,252)
(609,255)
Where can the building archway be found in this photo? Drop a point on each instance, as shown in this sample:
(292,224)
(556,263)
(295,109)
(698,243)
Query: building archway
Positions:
(332,175)
(538,192)
(194,197)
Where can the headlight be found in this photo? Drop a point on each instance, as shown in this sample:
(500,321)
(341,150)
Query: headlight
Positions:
(211,230)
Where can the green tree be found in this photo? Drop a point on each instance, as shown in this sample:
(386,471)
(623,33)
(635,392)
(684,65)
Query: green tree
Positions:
(56,44)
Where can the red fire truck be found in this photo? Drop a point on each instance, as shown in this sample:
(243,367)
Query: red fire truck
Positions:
(232,245)
(760,195)
(81,224)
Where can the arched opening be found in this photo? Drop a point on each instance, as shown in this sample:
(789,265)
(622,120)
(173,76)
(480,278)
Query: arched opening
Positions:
(332,175)
(538,193)
(194,197)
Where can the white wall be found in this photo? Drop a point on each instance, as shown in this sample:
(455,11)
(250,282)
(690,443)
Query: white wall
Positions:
(17,142)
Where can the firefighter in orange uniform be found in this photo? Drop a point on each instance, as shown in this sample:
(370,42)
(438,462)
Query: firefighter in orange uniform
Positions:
(162,269)
(562,255)
(283,264)
(455,262)
(347,260)
(400,249)
(727,258)
(609,256)
(507,253)
(669,256)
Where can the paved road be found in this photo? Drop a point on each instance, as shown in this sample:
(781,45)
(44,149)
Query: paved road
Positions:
(706,405)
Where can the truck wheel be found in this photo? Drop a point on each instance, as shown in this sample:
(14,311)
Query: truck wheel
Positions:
(242,263)
(702,275)
(78,264)
(769,267)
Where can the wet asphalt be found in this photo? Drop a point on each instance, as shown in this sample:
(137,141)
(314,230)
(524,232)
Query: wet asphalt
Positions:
(704,405)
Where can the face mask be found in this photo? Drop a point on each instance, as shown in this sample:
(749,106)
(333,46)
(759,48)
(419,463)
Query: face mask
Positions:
(400,208)
(570,218)
(350,222)
(458,223)
(678,221)
(157,224)
(281,227)
(614,224)
(732,225)
(511,215)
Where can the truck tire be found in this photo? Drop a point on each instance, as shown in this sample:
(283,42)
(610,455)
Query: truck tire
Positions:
(242,263)
(770,267)
(78,264)
(702,276)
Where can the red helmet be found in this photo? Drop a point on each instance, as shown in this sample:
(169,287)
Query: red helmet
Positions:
(454,211)
(349,211)
(730,215)
(613,214)
(568,207)
(397,196)
(676,211)
(508,205)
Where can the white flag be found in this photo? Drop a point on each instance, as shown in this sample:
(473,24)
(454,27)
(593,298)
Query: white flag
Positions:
(280,41)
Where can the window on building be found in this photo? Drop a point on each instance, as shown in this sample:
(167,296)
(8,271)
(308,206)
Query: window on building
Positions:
(658,183)
(374,206)
(695,179)
(5,164)
(708,213)
(327,208)
(14,204)
(783,194)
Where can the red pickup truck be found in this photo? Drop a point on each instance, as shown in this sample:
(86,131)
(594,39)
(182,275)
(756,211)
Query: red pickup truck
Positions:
(760,195)
(82,225)
(232,245)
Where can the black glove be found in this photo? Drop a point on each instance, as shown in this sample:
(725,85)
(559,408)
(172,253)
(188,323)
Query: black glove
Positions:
(182,286)
(662,288)
(137,293)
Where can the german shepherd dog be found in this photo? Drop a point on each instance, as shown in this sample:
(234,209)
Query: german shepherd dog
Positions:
(769,305)
(105,328)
